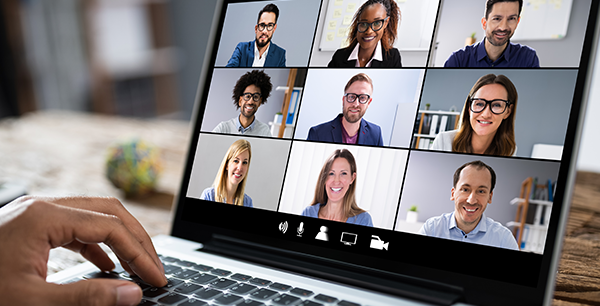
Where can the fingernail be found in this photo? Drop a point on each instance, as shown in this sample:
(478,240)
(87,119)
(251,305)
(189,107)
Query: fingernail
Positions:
(128,295)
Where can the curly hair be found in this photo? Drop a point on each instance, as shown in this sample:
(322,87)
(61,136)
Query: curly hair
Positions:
(390,32)
(257,78)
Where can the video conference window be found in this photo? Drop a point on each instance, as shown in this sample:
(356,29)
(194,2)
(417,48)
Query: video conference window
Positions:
(352,184)
(373,107)
(456,198)
(547,34)
(280,32)
(235,169)
(387,34)
(497,108)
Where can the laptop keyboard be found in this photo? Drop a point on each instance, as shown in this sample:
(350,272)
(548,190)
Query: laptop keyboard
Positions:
(197,285)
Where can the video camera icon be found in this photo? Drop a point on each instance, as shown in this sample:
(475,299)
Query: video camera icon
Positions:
(377,243)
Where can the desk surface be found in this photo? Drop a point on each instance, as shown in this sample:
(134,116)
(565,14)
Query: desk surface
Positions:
(63,153)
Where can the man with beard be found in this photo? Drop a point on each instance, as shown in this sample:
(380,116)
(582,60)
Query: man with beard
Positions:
(496,50)
(473,189)
(260,52)
(250,92)
(349,127)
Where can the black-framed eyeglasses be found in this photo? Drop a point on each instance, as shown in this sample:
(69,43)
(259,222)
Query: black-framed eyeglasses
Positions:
(375,25)
(497,106)
(263,26)
(254,96)
(362,99)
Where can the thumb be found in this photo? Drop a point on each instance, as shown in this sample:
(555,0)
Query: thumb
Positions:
(96,292)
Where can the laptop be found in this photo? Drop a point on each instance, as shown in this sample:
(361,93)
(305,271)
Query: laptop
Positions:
(314,220)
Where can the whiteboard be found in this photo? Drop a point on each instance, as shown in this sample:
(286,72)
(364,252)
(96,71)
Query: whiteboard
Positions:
(414,31)
(544,19)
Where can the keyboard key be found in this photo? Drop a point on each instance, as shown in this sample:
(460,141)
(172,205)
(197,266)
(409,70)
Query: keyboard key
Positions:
(173,282)
(185,263)
(193,302)
(325,298)
(241,277)
(203,278)
(147,303)
(250,303)
(227,299)
(171,299)
(222,284)
(155,292)
(264,294)
(260,282)
(185,273)
(347,303)
(285,300)
(309,303)
(168,259)
(201,268)
(220,272)
(170,269)
(242,289)
(188,288)
(280,287)
(302,292)
(207,294)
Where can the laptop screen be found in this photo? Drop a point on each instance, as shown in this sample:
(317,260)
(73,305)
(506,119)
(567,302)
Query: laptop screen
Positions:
(428,139)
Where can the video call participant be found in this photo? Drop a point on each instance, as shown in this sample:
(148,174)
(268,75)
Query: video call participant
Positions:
(230,181)
(260,52)
(473,189)
(372,36)
(350,127)
(487,121)
(335,192)
(496,50)
(250,92)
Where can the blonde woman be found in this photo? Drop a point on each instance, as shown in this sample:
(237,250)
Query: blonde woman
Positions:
(335,192)
(230,181)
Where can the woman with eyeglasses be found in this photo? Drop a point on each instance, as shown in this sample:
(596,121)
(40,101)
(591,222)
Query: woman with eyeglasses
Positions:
(335,192)
(487,121)
(230,182)
(372,35)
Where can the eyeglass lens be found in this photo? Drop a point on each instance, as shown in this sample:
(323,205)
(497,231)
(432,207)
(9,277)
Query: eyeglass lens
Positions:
(362,99)
(375,25)
(254,96)
(497,106)
(262,26)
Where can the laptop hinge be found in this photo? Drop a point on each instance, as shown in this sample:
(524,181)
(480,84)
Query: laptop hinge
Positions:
(372,279)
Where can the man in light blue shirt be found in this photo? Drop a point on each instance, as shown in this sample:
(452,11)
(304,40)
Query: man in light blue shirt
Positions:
(473,189)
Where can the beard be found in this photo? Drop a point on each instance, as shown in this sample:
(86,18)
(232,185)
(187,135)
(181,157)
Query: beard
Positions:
(248,114)
(262,44)
(352,117)
(498,43)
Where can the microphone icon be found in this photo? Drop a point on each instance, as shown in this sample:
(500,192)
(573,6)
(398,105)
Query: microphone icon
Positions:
(301,228)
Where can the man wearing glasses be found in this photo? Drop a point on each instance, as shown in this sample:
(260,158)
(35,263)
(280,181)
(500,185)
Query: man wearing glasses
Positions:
(250,92)
(349,127)
(260,52)
(496,50)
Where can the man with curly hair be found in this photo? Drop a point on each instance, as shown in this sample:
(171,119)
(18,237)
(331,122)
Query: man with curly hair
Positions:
(250,92)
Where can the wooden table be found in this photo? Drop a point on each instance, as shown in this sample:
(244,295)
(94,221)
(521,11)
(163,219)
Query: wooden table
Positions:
(63,153)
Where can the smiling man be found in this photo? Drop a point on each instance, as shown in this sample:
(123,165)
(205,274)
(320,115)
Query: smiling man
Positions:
(496,50)
(349,126)
(250,92)
(260,52)
(472,192)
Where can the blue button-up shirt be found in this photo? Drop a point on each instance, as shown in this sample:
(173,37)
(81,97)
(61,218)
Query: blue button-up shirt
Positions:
(487,231)
(515,55)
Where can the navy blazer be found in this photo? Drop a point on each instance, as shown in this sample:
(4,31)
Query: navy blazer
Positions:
(243,56)
(368,134)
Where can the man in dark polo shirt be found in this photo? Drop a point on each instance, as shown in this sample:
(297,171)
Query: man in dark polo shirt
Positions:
(496,50)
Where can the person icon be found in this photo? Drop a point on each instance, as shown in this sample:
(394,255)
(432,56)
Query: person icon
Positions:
(322,235)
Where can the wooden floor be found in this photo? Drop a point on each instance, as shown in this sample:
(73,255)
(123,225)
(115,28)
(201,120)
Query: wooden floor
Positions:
(62,153)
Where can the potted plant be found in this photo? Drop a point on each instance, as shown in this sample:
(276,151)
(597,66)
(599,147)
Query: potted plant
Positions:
(412,214)
(470,40)
(278,118)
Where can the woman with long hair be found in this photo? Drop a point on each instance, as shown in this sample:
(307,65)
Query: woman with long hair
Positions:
(372,36)
(487,121)
(335,192)
(230,181)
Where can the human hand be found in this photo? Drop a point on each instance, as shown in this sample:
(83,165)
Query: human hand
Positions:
(31,226)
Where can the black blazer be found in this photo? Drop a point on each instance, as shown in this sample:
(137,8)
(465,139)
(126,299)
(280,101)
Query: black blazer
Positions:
(391,59)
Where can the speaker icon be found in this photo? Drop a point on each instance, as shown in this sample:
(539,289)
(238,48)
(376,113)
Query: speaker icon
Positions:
(283,226)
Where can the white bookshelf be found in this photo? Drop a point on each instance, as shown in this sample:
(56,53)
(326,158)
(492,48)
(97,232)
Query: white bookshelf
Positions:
(437,121)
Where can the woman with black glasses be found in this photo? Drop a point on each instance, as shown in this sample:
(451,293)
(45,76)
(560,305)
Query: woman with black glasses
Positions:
(487,121)
(372,35)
